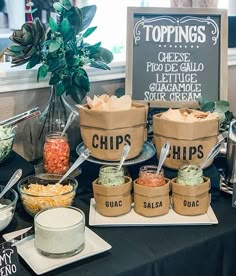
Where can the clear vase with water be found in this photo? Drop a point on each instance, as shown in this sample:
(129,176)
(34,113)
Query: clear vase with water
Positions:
(53,118)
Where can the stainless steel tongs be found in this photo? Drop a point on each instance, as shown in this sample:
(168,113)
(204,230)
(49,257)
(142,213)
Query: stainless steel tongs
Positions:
(21,117)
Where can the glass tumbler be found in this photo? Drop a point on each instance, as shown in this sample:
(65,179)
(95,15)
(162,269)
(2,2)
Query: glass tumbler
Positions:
(59,232)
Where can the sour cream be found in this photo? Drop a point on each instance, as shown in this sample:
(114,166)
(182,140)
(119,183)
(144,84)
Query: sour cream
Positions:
(60,232)
(5,216)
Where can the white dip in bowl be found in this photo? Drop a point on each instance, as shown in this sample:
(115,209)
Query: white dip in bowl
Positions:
(59,232)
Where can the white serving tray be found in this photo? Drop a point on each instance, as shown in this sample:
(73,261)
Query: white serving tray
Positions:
(41,264)
(134,219)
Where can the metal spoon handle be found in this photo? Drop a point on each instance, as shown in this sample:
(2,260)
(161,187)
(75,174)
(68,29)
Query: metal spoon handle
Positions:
(164,151)
(124,154)
(21,117)
(15,177)
(84,155)
(70,119)
(212,154)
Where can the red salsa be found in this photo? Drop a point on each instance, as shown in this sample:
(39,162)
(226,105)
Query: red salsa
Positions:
(56,154)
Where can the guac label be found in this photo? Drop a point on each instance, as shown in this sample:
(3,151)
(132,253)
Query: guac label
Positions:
(114,204)
(189,203)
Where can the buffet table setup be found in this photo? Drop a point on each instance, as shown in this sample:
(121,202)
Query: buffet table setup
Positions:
(145,250)
(142,193)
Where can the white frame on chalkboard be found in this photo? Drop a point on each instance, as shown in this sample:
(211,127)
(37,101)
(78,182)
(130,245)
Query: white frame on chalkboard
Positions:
(223,36)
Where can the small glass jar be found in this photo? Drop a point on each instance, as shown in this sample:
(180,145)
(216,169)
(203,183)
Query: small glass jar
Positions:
(59,232)
(190,175)
(110,176)
(56,153)
(148,176)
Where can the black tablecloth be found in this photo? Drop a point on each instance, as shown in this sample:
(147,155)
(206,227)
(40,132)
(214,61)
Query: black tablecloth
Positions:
(157,250)
(14,162)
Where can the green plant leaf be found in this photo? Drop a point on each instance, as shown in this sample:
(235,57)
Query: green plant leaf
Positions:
(53,25)
(14,54)
(20,62)
(33,10)
(229,116)
(60,89)
(93,49)
(82,81)
(119,92)
(55,78)
(89,31)
(34,60)
(30,51)
(221,116)
(209,106)
(55,64)
(65,27)
(53,46)
(27,39)
(103,55)
(16,48)
(77,93)
(70,35)
(202,101)
(42,72)
(74,16)
(99,65)
(222,106)
(75,61)
(66,4)
(66,30)
(88,13)
(58,7)
(39,28)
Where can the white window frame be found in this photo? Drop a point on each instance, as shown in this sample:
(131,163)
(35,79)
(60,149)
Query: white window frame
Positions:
(18,78)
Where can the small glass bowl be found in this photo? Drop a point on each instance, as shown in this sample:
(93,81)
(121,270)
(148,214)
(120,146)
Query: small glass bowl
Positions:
(40,197)
(59,232)
(6,213)
(6,146)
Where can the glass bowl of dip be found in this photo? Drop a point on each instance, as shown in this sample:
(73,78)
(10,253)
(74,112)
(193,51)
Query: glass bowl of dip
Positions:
(7,207)
(42,191)
(59,232)
(7,136)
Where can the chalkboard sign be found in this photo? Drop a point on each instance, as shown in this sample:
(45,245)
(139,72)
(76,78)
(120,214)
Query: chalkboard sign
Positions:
(176,55)
(9,262)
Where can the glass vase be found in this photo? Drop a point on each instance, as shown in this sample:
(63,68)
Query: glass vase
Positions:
(53,118)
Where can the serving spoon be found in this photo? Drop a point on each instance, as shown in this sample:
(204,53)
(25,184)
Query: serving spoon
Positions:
(15,177)
(164,151)
(21,117)
(124,154)
(70,119)
(212,154)
(83,156)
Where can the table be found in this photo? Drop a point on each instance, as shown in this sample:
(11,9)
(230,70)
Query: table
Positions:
(14,162)
(162,251)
